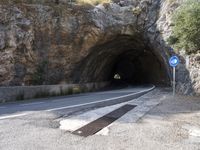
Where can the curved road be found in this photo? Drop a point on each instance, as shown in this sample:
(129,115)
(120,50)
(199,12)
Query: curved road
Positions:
(62,103)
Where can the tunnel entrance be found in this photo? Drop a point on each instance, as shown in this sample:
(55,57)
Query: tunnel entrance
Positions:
(124,60)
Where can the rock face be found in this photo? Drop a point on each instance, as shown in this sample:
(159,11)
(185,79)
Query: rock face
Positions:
(189,78)
(52,44)
(187,72)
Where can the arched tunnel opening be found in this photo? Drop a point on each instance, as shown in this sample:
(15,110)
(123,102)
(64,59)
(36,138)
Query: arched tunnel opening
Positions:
(123,60)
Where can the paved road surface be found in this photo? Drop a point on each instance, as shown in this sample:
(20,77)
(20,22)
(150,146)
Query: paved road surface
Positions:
(159,121)
(62,103)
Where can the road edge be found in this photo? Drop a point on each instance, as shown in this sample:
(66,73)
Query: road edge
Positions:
(103,103)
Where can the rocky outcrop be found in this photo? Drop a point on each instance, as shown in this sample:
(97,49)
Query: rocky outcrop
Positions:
(187,72)
(52,44)
(189,75)
(43,43)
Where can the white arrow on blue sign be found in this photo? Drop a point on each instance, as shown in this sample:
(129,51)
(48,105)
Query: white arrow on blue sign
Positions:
(174,61)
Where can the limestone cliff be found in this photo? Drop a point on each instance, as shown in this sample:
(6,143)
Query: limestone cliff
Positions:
(52,44)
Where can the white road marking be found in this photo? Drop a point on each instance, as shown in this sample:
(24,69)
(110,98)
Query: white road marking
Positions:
(133,115)
(60,108)
(192,130)
(143,105)
(75,122)
(29,104)
(13,116)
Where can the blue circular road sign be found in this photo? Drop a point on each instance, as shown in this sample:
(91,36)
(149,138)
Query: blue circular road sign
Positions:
(174,61)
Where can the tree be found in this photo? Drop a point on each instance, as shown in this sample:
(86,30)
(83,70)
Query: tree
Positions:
(186,29)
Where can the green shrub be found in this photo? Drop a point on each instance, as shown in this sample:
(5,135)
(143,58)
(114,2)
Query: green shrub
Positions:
(186,29)
(172,40)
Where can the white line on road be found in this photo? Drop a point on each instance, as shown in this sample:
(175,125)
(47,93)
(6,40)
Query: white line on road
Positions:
(60,108)
(13,116)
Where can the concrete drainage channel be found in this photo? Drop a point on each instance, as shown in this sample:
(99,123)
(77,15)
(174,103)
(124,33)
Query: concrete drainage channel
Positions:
(99,124)
(104,121)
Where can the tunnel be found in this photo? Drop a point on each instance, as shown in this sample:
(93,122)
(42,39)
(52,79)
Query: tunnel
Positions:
(123,60)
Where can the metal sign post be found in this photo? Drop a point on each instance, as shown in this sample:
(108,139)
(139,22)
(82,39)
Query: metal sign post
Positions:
(174,61)
(174,80)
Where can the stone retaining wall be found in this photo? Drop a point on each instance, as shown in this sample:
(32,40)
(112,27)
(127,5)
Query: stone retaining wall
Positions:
(15,93)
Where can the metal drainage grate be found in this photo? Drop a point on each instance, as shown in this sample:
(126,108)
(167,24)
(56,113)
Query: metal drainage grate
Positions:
(102,122)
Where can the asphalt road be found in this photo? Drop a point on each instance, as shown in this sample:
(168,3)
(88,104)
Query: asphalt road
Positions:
(159,121)
(19,109)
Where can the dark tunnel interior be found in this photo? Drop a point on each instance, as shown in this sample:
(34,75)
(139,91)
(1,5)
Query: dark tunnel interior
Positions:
(124,60)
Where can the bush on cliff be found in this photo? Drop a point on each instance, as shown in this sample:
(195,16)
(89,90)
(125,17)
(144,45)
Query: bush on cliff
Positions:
(186,29)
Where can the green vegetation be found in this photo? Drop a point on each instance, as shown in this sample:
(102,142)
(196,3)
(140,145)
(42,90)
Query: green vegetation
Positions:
(186,29)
